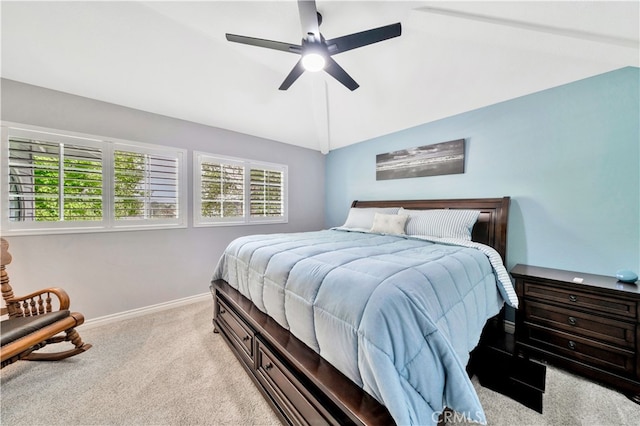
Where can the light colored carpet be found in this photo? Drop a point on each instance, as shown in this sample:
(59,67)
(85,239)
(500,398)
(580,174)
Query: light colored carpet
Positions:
(568,400)
(168,368)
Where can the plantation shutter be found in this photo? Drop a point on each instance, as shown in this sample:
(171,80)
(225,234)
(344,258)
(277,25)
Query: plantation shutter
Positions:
(235,191)
(146,186)
(54,181)
(266,193)
(222,190)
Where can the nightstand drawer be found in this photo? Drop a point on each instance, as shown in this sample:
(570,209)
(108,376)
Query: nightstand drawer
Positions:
(581,349)
(579,299)
(607,330)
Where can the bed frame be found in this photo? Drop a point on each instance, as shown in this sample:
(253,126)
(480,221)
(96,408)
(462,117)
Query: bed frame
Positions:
(301,386)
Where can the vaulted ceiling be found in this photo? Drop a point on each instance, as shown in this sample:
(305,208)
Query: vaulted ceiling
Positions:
(172,58)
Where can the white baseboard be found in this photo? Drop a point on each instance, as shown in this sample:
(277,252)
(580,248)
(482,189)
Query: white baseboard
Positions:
(120,316)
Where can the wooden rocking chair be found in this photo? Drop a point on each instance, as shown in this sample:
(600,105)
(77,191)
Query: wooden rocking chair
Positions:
(33,323)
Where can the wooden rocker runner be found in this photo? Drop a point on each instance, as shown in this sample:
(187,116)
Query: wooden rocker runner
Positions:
(33,323)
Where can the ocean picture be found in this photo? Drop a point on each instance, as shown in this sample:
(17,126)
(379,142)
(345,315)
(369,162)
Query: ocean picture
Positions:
(444,158)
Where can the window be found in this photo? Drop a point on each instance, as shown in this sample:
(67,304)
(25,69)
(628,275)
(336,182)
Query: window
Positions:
(232,191)
(62,182)
(54,181)
(146,185)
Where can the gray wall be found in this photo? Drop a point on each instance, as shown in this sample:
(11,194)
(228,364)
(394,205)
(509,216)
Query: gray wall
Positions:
(112,272)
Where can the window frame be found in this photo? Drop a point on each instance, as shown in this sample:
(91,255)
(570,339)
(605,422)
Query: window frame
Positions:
(199,221)
(108,146)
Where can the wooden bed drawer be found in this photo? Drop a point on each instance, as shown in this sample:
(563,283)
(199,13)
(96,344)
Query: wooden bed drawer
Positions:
(291,395)
(240,333)
(581,300)
(607,330)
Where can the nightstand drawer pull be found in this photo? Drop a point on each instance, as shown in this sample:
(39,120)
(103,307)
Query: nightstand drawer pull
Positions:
(573,298)
(572,321)
(572,345)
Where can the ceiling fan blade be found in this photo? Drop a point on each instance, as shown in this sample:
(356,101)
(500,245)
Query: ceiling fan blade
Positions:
(364,38)
(337,72)
(296,72)
(309,18)
(269,44)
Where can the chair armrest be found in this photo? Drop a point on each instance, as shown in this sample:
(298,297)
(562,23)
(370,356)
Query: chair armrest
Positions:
(38,302)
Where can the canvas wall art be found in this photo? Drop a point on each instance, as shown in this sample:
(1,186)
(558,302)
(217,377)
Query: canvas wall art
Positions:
(443,158)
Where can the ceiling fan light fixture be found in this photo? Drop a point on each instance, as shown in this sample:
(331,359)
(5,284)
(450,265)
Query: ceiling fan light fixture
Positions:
(313,62)
(316,52)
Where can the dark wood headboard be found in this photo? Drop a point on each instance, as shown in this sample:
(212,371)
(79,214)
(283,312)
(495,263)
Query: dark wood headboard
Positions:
(490,229)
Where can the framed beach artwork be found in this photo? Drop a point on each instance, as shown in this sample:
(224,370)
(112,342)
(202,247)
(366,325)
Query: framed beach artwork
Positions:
(443,158)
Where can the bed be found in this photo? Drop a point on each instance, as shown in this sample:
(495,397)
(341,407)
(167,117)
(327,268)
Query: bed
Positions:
(330,336)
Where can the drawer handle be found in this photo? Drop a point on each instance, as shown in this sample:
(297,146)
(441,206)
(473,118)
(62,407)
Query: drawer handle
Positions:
(572,345)
(268,367)
(572,321)
(245,338)
(573,298)
(222,311)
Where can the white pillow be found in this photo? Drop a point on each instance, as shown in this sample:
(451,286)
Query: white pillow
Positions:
(389,223)
(442,223)
(362,218)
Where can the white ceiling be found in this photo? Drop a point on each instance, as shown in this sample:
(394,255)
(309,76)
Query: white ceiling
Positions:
(172,58)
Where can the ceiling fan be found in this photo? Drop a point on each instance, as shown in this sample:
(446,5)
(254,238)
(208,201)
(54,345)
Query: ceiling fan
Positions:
(316,52)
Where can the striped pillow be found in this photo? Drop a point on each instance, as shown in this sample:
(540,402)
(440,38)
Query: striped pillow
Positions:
(441,223)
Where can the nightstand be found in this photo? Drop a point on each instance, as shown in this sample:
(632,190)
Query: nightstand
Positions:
(588,324)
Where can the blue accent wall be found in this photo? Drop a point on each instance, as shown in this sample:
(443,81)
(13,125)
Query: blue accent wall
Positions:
(568,156)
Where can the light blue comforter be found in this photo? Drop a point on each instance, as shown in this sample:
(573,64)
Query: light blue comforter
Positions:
(398,316)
